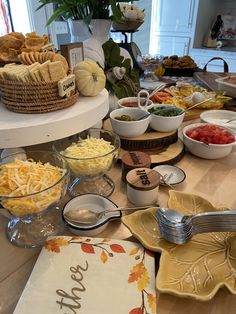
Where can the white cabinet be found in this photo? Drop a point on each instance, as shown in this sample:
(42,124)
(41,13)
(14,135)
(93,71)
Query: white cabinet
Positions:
(173,16)
(172,26)
(169,45)
(202,56)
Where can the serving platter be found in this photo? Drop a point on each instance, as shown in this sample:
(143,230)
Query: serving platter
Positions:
(197,269)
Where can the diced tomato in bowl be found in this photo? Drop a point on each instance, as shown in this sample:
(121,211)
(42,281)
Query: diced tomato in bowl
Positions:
(208,140)
(211,134)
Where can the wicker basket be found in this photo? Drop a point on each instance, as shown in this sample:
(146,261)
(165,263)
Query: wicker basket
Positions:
(34,97)
(126,26)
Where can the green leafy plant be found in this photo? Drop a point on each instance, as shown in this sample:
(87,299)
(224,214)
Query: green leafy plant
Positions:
(129,85)
(84,9)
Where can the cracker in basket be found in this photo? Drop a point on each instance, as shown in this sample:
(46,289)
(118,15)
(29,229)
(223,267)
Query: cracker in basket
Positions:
(23,57)
(1,73)
(49,55)
(31,69)
(58,57)
(32,55)
(56,71)
(37,76)
(44,71)
(14,72)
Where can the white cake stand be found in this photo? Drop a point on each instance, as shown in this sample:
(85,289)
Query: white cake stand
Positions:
(18,129)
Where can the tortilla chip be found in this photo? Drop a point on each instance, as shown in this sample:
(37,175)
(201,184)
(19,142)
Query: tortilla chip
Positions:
(34,44)
(4,56)
(13,54)
(32,34)
(8,41)
(46,39)
(18,35)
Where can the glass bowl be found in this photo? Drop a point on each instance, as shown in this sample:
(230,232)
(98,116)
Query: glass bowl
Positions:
(89,165)
(149,64)
(31,187)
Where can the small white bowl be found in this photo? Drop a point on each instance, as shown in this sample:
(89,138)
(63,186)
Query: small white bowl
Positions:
(219,117)
(132,102)
(174,175)
(165,124)
(129,128)
(96,203)
(207,151)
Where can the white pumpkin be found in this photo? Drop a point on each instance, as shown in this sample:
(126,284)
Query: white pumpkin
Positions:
(93,51)
(90,79)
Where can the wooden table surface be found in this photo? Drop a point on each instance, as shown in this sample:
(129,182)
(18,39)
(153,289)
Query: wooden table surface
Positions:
(214,180)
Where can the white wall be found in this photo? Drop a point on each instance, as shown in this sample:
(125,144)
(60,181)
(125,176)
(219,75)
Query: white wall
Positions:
(38,19)
(142,37)
(227,7)
(206,15)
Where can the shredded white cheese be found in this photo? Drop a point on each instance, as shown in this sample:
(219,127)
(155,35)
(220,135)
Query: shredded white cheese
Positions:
(92,156)
(21,178)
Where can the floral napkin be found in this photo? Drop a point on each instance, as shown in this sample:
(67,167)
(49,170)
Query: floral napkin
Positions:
(90,275)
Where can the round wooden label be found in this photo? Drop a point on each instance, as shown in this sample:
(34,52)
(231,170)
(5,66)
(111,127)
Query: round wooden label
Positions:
(136,159)
(143,179)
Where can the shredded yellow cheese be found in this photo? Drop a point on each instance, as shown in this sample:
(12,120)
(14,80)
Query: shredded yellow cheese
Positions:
(22,178)
(91,156)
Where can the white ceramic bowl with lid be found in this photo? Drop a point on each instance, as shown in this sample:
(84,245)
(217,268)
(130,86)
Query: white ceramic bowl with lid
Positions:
(142,186)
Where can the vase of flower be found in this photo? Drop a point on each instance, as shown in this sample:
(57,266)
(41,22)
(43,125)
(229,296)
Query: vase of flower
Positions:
(96,15)
(98,28)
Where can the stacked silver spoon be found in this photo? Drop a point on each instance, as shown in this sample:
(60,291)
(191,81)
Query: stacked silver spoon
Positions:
(178,228)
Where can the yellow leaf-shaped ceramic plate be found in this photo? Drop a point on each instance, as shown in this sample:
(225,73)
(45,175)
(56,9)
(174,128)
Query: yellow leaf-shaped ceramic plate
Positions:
(196,269)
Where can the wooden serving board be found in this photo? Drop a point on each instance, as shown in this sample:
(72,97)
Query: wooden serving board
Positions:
(208,80)
(167,155)
(149,140)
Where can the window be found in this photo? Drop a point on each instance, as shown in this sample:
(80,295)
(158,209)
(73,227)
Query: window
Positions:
(20,16)
(5,18)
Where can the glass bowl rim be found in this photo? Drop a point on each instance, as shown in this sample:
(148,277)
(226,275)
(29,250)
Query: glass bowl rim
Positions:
(66,174)
(116,137)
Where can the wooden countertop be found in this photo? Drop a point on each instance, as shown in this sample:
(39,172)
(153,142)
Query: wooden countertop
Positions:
(211,179)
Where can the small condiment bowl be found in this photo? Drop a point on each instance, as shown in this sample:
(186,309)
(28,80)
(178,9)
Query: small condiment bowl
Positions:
(94,202)
(132,102)
(165,123)
(219,117)
(129,128)
(207,151)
